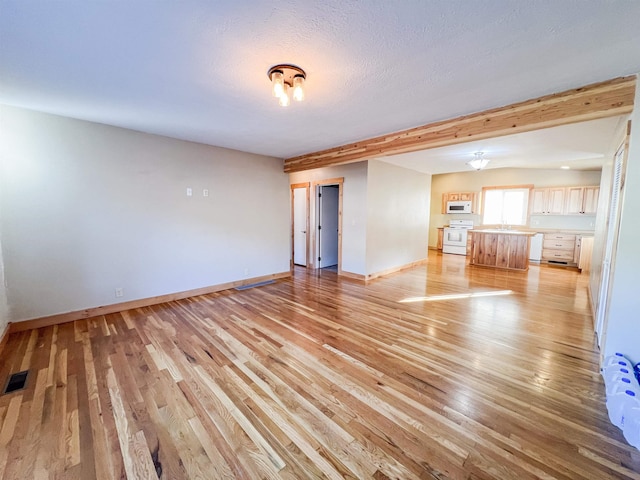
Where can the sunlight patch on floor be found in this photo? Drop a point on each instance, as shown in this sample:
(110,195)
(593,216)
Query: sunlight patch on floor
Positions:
(455,296)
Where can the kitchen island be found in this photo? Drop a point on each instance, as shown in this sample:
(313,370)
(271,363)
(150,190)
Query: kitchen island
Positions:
(496,248)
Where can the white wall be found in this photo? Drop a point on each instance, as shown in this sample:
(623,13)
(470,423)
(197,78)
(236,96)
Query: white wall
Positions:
(4,306)
(354,210)
(397,216)
(473,181)
(89,208)
(623,330)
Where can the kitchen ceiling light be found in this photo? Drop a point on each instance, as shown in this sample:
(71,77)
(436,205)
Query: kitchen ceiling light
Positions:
(479,162)
(284,78)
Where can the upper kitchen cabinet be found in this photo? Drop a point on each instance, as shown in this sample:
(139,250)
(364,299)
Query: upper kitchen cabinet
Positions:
(461,196)
(548,201)
(565,201)
(582,200)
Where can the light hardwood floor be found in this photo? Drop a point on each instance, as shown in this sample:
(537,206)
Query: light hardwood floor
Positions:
(316,377)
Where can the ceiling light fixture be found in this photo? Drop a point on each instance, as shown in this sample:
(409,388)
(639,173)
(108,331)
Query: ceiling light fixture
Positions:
(286,78)
(479,162)
(565,167)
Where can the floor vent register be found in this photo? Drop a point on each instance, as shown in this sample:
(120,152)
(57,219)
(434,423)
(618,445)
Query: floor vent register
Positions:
(17,381)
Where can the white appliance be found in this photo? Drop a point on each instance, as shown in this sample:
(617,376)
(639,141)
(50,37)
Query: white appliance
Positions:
(455,237)
(462,206)
(535,251)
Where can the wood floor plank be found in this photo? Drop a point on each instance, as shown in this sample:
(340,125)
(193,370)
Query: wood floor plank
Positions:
(137,458)
(315,376)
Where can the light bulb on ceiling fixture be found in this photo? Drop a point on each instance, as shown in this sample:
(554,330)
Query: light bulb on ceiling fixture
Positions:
(277,82)
(284,97)
(287,80)
(298,88)
(479,162)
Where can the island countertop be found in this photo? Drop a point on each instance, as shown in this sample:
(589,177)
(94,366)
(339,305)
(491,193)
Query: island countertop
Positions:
(499,231)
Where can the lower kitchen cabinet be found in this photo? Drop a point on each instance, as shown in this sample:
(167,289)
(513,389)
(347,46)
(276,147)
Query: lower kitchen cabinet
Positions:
(559,248)
(584,247)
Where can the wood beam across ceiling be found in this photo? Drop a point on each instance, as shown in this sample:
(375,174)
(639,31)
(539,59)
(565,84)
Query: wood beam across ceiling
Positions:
(599,100)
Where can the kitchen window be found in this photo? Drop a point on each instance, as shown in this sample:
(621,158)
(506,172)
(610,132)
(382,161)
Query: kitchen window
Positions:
(505,205)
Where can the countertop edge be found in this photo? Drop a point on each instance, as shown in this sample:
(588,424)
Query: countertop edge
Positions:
(504,232)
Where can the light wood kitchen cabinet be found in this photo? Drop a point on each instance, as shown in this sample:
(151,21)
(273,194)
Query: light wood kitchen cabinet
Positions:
(548,201)
(582,200)
(467,196)
(590,201)
(440,238)
(559,248)
(460,197)
(538,201)
(584,247)
(565,200)
(509,250)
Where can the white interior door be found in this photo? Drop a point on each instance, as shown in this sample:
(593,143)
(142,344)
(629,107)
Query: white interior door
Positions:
(300,226)
(328,205)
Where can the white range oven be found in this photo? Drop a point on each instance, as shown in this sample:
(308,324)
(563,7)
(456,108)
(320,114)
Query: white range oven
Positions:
(455,237)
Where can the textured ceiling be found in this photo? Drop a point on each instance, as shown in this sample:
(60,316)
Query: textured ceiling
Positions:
(196,70)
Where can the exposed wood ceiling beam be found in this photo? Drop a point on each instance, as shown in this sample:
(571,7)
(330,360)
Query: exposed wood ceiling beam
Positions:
(599,100)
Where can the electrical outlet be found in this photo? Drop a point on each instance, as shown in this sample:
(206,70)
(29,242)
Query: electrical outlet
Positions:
(189,192)
(119,292)
(205,192)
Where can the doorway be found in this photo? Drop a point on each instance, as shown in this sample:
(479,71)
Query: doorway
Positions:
(300,224)
(326,219)
(328,225)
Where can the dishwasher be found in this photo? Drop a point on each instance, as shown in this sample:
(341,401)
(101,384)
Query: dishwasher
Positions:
(535,252)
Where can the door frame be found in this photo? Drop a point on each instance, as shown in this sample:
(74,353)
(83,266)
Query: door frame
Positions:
(601,312)
(339,181)
(307,187)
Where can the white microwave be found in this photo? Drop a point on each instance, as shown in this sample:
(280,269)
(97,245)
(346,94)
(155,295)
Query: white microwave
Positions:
(462,206)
